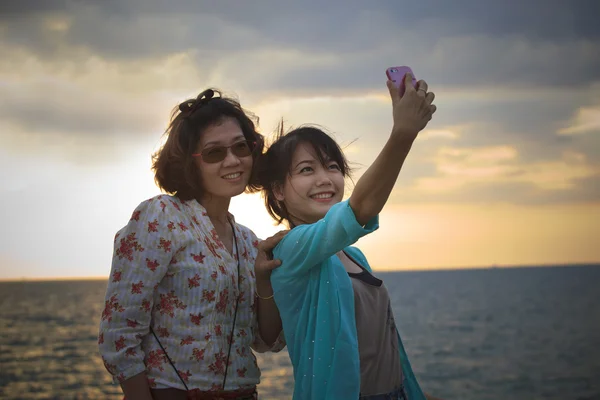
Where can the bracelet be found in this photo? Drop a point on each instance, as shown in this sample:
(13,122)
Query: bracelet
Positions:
(264,298)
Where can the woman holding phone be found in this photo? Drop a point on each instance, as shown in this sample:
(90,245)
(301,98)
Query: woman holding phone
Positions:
(337,318)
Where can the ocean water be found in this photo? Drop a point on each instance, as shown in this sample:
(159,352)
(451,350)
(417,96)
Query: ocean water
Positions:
(524,333)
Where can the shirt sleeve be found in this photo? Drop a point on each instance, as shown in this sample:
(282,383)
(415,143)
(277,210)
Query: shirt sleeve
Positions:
(306,246)
(143,250)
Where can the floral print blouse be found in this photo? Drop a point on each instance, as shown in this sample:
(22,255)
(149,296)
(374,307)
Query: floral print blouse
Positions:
(171,272)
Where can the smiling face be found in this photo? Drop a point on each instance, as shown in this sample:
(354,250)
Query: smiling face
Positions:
(229,177)
(311,187)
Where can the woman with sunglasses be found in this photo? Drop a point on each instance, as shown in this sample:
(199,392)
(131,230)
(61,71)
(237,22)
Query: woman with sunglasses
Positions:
(181,312)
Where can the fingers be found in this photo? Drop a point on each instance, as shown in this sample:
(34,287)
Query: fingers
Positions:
(429,97)
(408,78)
(269,265)
(270,243)
(422,85)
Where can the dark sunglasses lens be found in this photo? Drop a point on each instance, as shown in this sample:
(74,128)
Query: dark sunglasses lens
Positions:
(214,154)
(241,149)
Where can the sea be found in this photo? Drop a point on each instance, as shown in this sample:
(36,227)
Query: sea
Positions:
(527,333)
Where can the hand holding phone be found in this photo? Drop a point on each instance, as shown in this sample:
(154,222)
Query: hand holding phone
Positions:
(396,75)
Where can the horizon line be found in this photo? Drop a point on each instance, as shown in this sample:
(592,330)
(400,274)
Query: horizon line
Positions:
(414,269)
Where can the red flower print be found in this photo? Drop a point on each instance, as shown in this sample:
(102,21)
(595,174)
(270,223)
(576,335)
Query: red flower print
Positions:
(215,238)
(197,354)
(151,264)
(196,318)
(163,205)
(136,288)
(145,305)
(245,255)
(195,220)
(153,226)
(168,303)
(117,276)
(152,382)
(255,243)
(242,297)
(132,323)
(207,336)
(120,343)
(163,332)
(101,338)
(182,226)
(128,246)
(185,375)
(242,372)
(218,367)
(198,257)
(242,352)
(121,377)
(156,359)
(111,305)
(194,282)
(214,275)
(221,306)
(242,333)
(187,340)
(135,216)
(215,387)
(208,295)
(211,247)
(171,226)
(165,245)
(130,352)
(176,205)
(222,269)
(218,330)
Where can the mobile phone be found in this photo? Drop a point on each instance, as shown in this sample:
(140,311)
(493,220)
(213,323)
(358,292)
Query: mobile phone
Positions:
(396,75)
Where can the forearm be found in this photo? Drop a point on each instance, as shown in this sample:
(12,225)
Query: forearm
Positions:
(137,388)
(374,187)
(269,321)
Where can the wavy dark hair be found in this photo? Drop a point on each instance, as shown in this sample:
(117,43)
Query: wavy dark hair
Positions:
(174,169)
(276,163)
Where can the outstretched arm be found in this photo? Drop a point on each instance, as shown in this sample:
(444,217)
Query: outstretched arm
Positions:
(411,113)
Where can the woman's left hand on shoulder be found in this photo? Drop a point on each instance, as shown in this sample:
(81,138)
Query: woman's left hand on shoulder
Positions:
(264,263)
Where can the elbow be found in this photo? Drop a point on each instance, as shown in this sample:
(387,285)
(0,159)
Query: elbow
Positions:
(365,211)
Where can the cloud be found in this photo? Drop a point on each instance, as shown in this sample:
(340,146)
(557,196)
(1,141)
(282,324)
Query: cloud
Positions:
(499,173)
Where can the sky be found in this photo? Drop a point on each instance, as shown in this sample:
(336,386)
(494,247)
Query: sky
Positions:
(507,173)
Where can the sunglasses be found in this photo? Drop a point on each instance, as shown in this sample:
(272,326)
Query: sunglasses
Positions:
(217,154)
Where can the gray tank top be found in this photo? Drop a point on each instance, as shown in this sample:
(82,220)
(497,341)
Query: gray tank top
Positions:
(380,366)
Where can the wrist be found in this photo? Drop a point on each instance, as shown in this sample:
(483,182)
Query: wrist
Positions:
(403,138)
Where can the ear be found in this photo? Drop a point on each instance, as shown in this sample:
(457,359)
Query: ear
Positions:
(278,192)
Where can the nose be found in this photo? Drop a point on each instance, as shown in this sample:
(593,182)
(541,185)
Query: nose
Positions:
(323,178)
(231,160)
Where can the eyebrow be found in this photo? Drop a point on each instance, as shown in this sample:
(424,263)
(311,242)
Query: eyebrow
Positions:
(216,142)
(305,161)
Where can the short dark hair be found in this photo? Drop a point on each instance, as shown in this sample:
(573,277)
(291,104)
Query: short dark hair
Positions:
(276,163)
(174,169)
